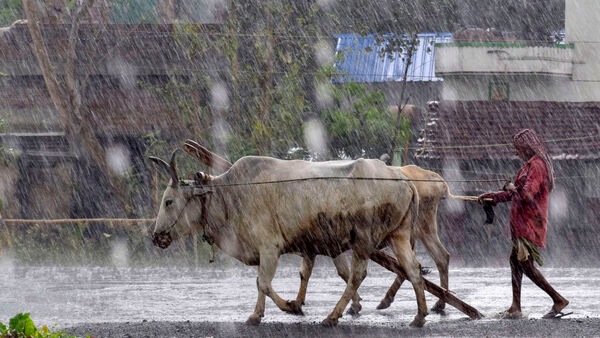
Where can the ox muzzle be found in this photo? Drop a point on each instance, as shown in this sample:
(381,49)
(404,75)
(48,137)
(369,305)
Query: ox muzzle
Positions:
(162,239)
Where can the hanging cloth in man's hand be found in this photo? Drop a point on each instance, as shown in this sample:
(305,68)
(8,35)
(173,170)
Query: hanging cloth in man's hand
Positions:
(489,212)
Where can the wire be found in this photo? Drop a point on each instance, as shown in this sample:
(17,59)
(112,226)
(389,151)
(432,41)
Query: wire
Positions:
(293,180)
(493,145)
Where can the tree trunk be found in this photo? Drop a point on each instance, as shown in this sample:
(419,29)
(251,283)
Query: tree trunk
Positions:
(67,97)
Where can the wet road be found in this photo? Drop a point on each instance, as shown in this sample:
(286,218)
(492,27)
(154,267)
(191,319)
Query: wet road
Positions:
(226,292)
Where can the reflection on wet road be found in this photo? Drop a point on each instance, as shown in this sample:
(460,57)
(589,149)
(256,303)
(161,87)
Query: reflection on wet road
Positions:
(227,293)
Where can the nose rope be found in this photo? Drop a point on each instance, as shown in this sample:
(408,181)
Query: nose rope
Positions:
(177,219)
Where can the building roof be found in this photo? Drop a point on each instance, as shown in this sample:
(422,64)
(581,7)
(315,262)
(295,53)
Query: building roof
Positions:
(479,130)
(359,59)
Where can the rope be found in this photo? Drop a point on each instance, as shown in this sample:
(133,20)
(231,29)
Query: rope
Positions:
(492,145)
(292,180)
(76,220)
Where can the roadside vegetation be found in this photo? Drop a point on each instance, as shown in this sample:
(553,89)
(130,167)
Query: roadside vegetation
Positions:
(22,326)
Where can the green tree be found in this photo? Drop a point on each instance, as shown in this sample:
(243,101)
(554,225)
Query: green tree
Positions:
(266,65)
(65,86)
(277,55)
(10,11)
(6,155)
(359,124)
(536,18)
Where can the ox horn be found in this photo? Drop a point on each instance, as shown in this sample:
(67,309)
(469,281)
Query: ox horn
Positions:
(173,169)
(168,167)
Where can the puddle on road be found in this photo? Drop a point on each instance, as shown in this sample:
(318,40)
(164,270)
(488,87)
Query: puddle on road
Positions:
(71,295)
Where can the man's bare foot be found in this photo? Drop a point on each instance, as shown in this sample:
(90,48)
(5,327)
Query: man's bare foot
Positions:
(556,311)
(558,306)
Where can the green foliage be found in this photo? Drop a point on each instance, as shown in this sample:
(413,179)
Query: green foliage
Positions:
(390,45)
(268,74)
(7,156)
(154,144)
(360,124)
(133,11)
(3,126)
(179,94)
(21,325)
(10,11)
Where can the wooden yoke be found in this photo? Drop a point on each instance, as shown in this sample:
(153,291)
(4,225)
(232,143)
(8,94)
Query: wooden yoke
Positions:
(391,264)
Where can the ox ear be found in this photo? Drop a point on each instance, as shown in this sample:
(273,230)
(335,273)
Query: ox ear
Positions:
(205,156)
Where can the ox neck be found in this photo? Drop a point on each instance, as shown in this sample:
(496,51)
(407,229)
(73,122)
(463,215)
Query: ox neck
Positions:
(212,204)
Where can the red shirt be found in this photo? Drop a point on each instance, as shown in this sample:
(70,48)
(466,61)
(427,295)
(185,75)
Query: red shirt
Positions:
(529,208)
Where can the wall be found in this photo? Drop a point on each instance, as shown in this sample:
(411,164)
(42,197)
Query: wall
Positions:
(418,93)
(581,27)
(568,73)
(502,58)
(521,88)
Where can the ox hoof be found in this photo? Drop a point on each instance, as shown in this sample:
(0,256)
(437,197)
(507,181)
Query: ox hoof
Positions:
(294,308)
(329,322)
(384,304)
(354,310)
(419,321)
(253,320)
(439,308)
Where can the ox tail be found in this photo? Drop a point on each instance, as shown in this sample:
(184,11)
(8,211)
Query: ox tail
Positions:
(413,212)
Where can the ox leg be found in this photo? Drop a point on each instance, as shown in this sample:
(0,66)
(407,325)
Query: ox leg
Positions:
(408,262)
(441,257)
(266,272)
(358,274)
(388,299)
(343,269)
(306,268)
(259,308)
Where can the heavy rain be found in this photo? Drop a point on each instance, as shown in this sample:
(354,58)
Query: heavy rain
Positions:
(296,123)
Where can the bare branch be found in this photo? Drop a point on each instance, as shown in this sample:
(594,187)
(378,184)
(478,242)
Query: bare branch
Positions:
(70,73)
(41,52)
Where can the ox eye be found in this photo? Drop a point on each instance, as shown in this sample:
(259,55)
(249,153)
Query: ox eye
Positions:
(168,203)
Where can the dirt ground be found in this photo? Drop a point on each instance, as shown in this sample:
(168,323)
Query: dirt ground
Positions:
(575,327)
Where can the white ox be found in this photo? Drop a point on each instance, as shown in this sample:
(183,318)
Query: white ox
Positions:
(431,189)
(263,207)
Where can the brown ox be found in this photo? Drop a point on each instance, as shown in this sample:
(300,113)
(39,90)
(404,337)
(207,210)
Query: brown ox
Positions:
(431,188)
(263,207)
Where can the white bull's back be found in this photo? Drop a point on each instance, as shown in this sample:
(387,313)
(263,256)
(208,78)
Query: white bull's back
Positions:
(313,206)
(429,184)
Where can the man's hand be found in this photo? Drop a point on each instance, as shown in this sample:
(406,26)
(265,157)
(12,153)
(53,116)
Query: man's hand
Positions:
(487,198)
(509,186)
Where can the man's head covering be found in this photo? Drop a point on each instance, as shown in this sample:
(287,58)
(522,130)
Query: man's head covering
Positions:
(527,139)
